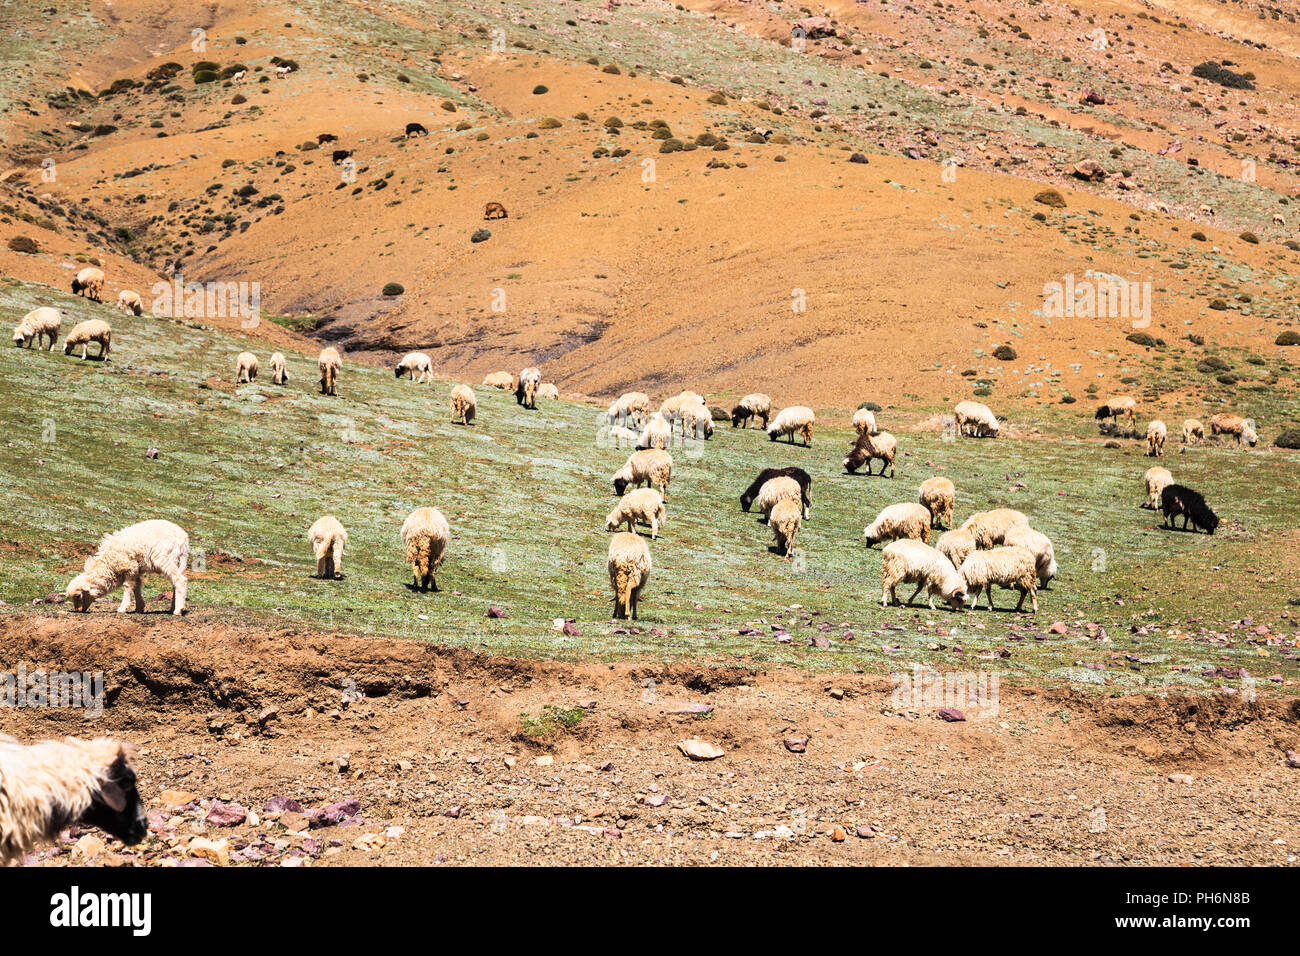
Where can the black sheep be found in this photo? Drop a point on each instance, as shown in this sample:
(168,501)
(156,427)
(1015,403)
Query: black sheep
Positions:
(798,474)
(1178,500)
(415,129)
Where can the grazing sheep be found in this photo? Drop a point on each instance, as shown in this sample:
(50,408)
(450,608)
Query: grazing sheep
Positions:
(83,333)
(324,138)
(530,379)
(36,325)
(1157,479)
(1206,210)
(956,546)
(883,446)
(547,390)
(621,434)
(415,129)
(463,405)
(640,504)
(417,365)
(988,528)
(767,474)
(238,76)
(913,562)
(502,380)
(939,495)
(49,786)
(425,533)
(907,520)
(1037,544)
(339,155)
(1193,431)
(651,466)
(658,433)
(330,362)
(1178,500)
(125,557)
(282,71)
(1228,424)
(779,489)
(796,418)
(279,368)
(1121,406)
(755,405)
(785,520)
(864,422)
(976,420)
(245,367)
(1005,567)
(629,570)
(672,406)
(1156,434)
(89,282)
(630,408)
(328,538)
(130,302)
(697,421)
(1279,219)
(494,210)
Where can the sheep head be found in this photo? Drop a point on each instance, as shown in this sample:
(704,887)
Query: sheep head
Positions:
(115,805)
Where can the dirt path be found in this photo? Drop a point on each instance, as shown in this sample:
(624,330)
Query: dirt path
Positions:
(443,769)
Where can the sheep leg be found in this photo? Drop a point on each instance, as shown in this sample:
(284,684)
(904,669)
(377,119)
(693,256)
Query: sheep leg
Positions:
(1021,602)
(915,593)
(127,594)
(179,586)
(632,600)
(988,589)
(654,528)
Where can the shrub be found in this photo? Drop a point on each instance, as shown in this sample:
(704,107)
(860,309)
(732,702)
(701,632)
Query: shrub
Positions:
(661,132)
(1051,197)
(1288,439)
(1289,337)
(706,140)
(539,89)
(1249,237)
(717,99)
(204,76)
(448,105)
(755,138)
(983,392)
(613,123)
(393,288)
(237,99)
(1068,399)
(1198,236)
(858,158)
(670,145)
(1212,363)
(582,117)
(611,69)
(481,235)
(1005,352)
(1217,73)
(1141,338)
(24,244)
(1218,305)
(1228,378)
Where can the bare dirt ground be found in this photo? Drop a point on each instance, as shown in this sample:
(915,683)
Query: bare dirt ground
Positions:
(442,768)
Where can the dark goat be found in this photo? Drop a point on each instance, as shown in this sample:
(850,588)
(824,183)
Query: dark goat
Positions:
(798,474)
(1178,500)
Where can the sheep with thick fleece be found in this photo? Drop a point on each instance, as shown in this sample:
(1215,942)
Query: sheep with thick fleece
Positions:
(767,474)
(425,533)
(630,408)
(956,546)
(907,520)
(90,283)
(629,570)
(49,786)
(83,333)
(671,406)
(789,421)
(1156,434)
(621,435)
(753,407)
(697,421)
(779,489)
(125,557)
(988,528)
(417,365)
(650,466)
(328,538)
(1037,544)
(530,379)
(976,420)
(279,368)
(785,519)
(245,367)
(330,362)
(1121,406)
(864,422)
(1240,428)
(1156,480)
(914,562)
(502,380)
(640,504)
(939,495)
(129,301)
(658,433)
(1010,567)
(883,446)
(463,405)
(36,325)
(1193,431)
(547,390)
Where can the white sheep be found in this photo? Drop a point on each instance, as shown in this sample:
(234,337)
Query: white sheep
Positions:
(1156,434)
(547,390)
(417,365)
(328,538)
(279,368)
(1193,431)
(1120,406)
(463,404)
(864,422)
(1225,423)
(914,562)
(796,418)
(238,76)
(1004,567)
(1156,480)
(785,519)
(644,505)
(629,565)
(939,495)
(778,489)
(36,325)
(49,786)
(907,520)
(83,333)
(125,557)
(89,282)
(330,362)
(658,433)
(956,546)
(651,466)
(282,71)
(883,446)
(621,434)
(988,528)
(671,406)
(976,420)
(530,380)
(756,406)
(130,303)
(245,367)
(502,380)
(697,421)
(425,533)
(1037,544)
(630,408)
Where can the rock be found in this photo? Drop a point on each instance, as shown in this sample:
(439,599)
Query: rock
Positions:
(796,745)
(1089,171)
(815,27)
(343,762)
(1184,778)
(225,814)
(88,847)
(1058,628)
(218,851)
(544,761)
(333,814)
(171,799)
(151,453)
(280,804)
(494,611)
(952,714)
(1093,97)
(698,749)
(677,707)
(865,832)
(1293,759)
(293,821)
(838,835)
(453,812)
(267,715)
(656,800)
(570,630)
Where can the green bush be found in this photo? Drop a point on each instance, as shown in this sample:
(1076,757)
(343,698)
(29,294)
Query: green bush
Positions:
(24,244)
(670,145)
(204,76)
(1218,73)
(1289,337)
(393,288)
(1051,197)
(1005,352)
(549,123)
(1288,439)
(481,235)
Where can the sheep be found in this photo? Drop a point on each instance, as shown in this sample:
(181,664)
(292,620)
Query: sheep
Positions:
(502,380)
(415,129)
(339,155)
(89,282)
(629,570)
(779,489)
(864,422)
(785,520)
(1011,567)
(629,408)
(976,420)
(939,496)
(1225,423)
(238,76)
(1156,433)
(671,406)
(417,365)
(621,434)
(279,368)
(1178,500)
(755,405)
(245,367)
(1206,210)
(656,434)
(640,504)
(796,418)
(652,466)
(988,528)
(547,390)
(767,474)
(883,446)
(526,391)
(1121,406)
(956,546)
(1156,480)
(282,71)
(1279,219)
(83,333)
(1193,431)
(425,533)
(49,786)
(697,420)
(324,138)
(330,362)
(913,562)
(125,557)
(1037,544)
(130,303)
(907,520)
(328,538)
(463,405)
(36,325)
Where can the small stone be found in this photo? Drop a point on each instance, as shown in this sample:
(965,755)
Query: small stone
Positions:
(838,834)
(1293,759)
(865,832)
(494,611)
(545,761)
(171,799)
(951,714)
(218,851)
(1059,627)
(1184,778)
(656,800)
(453,812)
(225,814)
(796,745)
(151,453)
(698,749)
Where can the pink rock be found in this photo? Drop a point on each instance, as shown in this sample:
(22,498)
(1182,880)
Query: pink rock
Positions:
(952,714)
